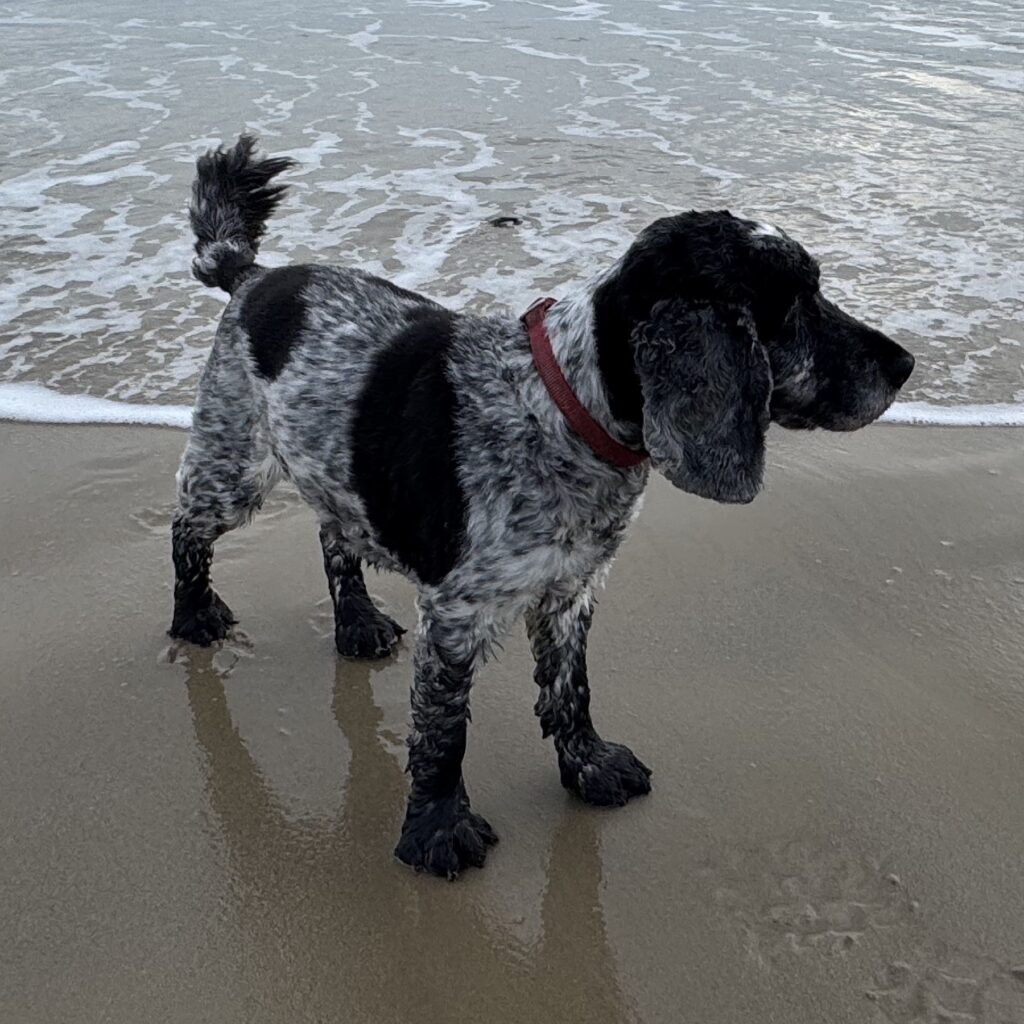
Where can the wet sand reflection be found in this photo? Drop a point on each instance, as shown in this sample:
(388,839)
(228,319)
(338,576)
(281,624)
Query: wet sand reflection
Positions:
(333,930)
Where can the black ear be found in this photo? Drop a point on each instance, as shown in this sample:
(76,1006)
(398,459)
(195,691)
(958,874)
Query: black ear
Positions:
(706,384)
(776,270)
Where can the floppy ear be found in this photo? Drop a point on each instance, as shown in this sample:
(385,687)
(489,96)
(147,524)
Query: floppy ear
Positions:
(706,384)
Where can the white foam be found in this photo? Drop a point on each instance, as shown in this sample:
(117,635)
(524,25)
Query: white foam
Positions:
(33,403)
(926,414)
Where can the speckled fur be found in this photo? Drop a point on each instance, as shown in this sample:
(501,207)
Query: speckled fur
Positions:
(544,516)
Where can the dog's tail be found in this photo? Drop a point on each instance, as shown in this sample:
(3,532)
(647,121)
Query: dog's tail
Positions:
(232,198)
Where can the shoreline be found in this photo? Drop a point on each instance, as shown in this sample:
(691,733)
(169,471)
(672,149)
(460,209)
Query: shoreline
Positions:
(36,403)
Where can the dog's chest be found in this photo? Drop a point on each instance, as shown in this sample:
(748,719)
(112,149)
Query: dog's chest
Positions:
(547,540)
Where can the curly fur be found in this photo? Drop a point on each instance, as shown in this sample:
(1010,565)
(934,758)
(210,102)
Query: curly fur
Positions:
(426,443)
(706,384)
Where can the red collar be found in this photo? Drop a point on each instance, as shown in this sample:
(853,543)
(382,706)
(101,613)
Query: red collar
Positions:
(600,441)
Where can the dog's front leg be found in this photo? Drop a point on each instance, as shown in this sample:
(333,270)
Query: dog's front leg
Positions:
(597,771)
(441,834)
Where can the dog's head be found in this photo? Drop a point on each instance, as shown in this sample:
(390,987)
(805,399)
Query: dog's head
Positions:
(728,331)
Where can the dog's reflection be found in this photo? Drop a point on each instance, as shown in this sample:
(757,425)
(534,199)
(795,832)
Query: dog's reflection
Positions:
(333,929)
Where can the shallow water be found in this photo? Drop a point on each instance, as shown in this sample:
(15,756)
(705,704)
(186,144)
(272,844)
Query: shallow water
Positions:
(886,137)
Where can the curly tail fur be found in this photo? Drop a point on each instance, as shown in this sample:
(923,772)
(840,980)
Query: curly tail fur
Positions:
(232,198)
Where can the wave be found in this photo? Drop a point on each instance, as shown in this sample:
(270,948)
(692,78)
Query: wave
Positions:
(34,403)
(1003,414)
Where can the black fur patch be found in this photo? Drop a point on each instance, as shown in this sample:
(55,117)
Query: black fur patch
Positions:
(272,316)
(403,457)
(612,330)
(707,256)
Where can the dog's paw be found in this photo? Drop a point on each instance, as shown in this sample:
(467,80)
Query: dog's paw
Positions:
(604,774)
(444,838)
(202,624)
(370,634)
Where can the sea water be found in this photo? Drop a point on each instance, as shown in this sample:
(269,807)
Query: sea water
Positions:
(887,136)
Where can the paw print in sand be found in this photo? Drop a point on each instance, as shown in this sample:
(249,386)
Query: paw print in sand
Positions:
(807,897)
(964,990)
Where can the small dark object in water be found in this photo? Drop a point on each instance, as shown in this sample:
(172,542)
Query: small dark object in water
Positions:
(506,222)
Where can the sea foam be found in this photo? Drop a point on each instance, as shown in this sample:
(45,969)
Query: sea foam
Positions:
(34,403)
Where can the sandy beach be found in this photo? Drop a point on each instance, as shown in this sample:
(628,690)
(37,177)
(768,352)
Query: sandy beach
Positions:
(828,684)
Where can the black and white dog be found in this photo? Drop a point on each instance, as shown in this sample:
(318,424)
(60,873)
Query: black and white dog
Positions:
(496,463)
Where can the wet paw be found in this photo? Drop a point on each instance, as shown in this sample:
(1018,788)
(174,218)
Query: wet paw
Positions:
(202,623)
(603,774)
(444,838)
(369,634)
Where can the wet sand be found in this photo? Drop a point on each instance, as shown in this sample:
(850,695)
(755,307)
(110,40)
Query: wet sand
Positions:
(828,684)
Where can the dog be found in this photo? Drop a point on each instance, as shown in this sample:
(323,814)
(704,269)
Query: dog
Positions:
(496,462)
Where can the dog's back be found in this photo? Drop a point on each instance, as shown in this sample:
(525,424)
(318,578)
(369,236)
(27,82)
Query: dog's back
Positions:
(378,404)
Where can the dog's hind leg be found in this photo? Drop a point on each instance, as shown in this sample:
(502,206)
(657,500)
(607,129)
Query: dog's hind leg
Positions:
(361,630)
(226,472)
(597,771)
(200,616)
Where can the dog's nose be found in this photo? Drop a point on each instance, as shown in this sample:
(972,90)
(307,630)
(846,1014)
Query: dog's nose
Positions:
(896,363)
(900,367)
